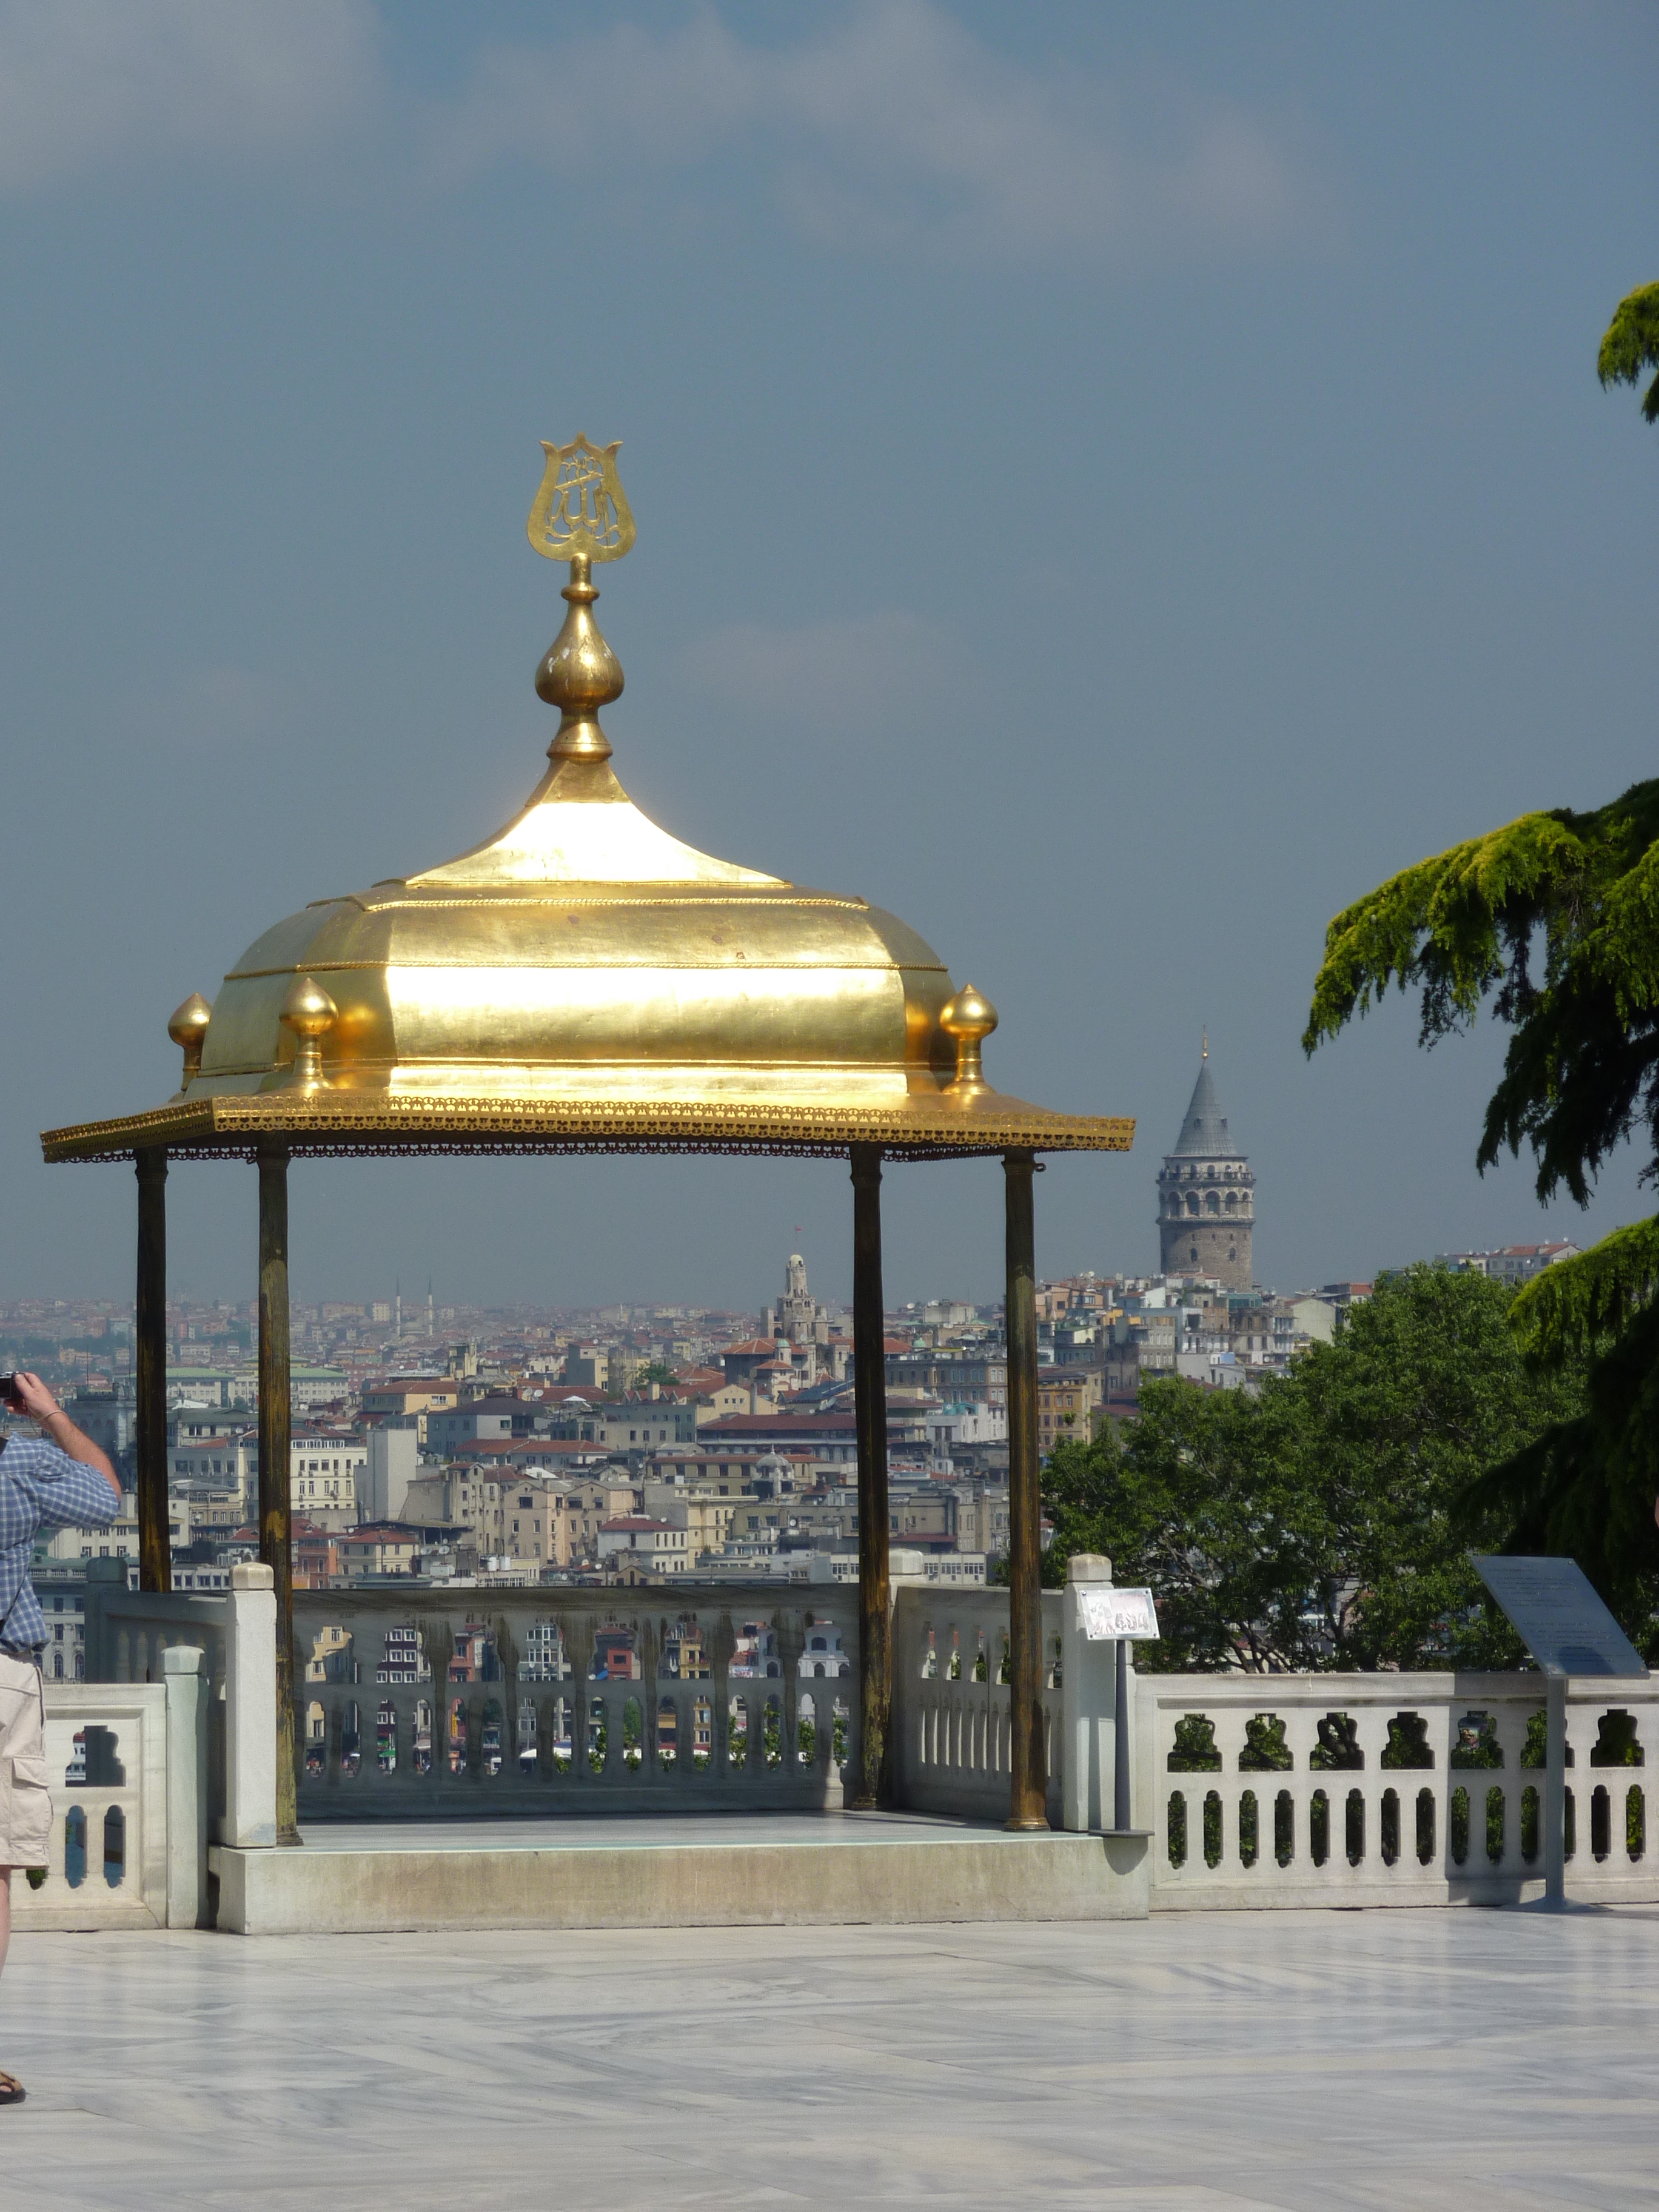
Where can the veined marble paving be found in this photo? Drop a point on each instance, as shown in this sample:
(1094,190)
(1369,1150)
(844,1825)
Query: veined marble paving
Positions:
(1215,2063)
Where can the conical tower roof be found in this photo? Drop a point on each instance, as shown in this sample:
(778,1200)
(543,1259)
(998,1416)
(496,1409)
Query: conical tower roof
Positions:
(1204,1134)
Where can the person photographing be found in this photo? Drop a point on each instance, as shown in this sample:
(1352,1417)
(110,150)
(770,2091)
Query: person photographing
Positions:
(47,1481)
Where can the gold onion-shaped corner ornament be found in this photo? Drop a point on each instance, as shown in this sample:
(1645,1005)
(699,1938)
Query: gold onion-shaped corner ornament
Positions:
(967,1020)
(187,1025)
(581,514)
(310,1013)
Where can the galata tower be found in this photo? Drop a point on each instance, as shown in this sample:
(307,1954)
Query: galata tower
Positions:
(1206,1194)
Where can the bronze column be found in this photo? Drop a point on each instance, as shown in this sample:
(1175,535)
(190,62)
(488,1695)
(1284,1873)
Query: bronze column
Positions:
(1027,1780)
(873,1785)
(150,1360)
(274,1416)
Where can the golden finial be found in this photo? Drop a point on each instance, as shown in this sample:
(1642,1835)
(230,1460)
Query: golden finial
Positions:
(968,1020)
(581,514)
(1206,1052)
(188,1026)
(310,1014)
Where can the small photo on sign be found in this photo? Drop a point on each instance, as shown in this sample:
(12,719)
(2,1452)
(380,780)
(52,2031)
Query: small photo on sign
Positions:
(1106,1612)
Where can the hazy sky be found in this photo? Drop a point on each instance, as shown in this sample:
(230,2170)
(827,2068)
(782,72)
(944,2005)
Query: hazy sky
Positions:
(1113,483)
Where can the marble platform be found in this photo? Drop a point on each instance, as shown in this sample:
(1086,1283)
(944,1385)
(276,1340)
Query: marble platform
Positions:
(768,1869)
(1307,2061)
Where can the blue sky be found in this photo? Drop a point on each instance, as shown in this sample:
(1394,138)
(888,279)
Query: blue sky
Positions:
(1112,483)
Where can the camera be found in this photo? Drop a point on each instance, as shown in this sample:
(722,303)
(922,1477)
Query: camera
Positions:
(10,1397)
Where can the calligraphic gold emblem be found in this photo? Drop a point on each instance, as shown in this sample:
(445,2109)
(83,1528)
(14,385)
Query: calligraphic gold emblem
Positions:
(582,512)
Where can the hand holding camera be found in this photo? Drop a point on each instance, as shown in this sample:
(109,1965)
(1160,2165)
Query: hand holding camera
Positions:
(26,1394)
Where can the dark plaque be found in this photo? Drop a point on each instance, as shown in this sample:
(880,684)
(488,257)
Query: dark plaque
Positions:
(1558,1617)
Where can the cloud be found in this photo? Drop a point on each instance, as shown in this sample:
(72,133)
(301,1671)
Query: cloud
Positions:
(895,124)
(93,84)
(834,674)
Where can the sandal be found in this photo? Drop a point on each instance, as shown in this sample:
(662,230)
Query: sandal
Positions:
(11,2090)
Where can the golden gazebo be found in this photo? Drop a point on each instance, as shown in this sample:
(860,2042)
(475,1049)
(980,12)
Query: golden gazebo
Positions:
(583,981)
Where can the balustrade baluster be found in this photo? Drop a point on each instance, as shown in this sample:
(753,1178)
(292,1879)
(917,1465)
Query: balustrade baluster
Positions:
(1301,1734)
(1511,1718)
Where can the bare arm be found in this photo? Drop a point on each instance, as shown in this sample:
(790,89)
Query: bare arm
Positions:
(55,1423)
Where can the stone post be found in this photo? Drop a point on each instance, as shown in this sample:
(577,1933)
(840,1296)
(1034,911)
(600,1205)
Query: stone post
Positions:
(1088,1704)
(187,1785)
(250,1735)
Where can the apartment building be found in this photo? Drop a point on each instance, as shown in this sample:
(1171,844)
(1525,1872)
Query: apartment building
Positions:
(1068,1399)
(323,1468)
(634,1546)
(386,1548)
(212,1470)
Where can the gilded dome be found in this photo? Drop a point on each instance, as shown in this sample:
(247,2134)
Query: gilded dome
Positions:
(583,978)
(581,953)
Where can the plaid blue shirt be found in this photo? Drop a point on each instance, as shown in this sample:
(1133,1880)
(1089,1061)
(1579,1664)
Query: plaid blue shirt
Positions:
(40,1487)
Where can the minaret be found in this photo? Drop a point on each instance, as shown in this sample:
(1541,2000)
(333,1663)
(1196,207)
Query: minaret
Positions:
(431,1324)
(398,1312)
(1207,1194)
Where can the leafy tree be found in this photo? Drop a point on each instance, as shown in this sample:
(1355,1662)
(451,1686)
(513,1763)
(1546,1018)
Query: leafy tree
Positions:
(1632,345)
(1194,1500)
(1424,1390)
(1317,1524)
(654,1371)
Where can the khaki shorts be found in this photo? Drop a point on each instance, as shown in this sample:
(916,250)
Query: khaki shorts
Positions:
(25,1798)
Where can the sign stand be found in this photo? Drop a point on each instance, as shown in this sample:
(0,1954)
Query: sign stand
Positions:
(1555,1789)
(1554,1610)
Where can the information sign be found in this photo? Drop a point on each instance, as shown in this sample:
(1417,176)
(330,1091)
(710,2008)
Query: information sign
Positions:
(1105,1611)
(1558,1616)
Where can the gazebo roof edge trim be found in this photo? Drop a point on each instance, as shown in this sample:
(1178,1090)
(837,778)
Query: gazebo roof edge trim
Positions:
(211,1126)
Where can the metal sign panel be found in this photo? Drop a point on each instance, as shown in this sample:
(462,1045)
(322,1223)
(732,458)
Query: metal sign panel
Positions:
(1105,1611)
(1558,1617)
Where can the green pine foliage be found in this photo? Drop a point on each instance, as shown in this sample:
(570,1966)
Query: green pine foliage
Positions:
(1556,918)
(1631,346)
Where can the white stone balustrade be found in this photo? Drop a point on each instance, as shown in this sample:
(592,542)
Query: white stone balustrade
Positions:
(127,1766)
(1344,1820)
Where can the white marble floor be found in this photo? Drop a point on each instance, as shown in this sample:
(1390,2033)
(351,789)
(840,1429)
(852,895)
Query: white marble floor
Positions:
(1198,2063)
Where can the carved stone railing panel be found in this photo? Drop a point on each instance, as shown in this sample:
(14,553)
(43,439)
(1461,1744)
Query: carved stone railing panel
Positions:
(1357,1818)
(479,1703)
(951,1701)
(107,1751)
(127,1631)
